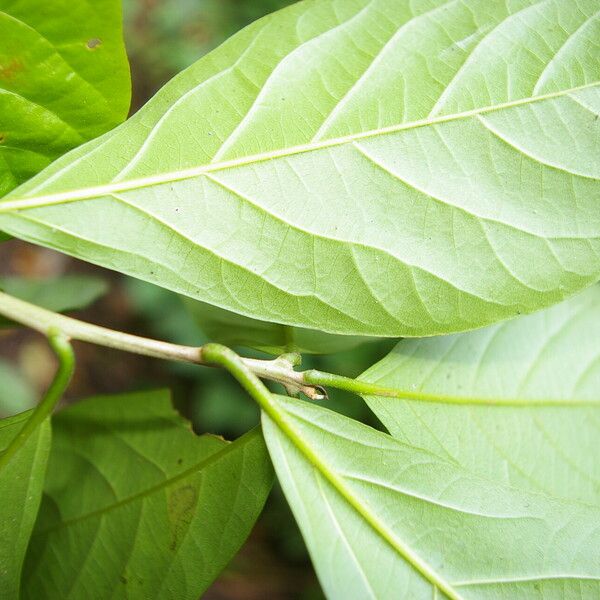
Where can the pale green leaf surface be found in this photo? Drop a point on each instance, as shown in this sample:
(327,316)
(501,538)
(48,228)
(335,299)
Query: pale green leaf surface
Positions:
(384,518)
(21,484)
(553,355)
(136,506)
(232,329)
(64,79)
(362,167)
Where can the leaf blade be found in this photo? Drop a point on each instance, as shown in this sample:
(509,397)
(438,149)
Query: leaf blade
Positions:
(64,79)
(549,356)
(468,535)
(162,544)
(237,217)
(21,484)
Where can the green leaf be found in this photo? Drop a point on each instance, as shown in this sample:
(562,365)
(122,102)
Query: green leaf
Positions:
(137,506)
(232,329)
(64,79)
(377,167)
(16,393)
(21,483)
(60,294)
(546,365)
(4,237)
(385,518)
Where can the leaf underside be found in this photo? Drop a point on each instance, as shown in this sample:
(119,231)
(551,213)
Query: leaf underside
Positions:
(384,518)
(375,168)
(550,357)
(469,498)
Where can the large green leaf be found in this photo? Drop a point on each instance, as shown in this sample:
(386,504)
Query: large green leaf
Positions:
(136,506)
(386,518)
(21,483)
(64,79)
(232,329)
(546,365)
(377,167)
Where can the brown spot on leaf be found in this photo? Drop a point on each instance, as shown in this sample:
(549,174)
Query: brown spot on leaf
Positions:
(10,69)
(180,506)
(93,43)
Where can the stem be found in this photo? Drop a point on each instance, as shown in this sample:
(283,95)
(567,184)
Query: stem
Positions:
(312,383)
(280,369)
(221,356)
(66,365)
(43,320)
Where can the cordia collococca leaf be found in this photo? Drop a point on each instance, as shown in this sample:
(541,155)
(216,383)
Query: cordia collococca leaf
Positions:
(21,485)
(137,506)
(363,167)
(64,79)
(488,487)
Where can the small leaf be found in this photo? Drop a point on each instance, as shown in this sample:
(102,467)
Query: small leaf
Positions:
(137,506)
(232,329)
(384,518)
(21,483)
(60,294)
(370,167)
(546,365)
(64,79)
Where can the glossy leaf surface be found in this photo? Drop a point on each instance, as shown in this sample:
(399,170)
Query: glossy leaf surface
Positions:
(362,167)
(137,506)
(384,517)
(21,484)
(64,79)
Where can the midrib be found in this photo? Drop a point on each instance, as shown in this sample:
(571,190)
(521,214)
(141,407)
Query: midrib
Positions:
(173,176)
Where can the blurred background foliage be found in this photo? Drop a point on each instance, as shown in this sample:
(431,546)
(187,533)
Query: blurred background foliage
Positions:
(163,37)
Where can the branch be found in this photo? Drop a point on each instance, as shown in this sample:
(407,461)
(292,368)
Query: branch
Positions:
(280,370)
(311,383)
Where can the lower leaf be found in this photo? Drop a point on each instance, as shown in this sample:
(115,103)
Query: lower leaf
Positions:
(21,482)
(386,519)
(138,506)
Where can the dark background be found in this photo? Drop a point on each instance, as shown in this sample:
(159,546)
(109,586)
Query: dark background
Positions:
(163,37)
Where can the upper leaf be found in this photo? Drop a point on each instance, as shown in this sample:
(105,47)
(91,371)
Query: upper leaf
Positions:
(21,484)
(137,506)
(374,167)
(64,79)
